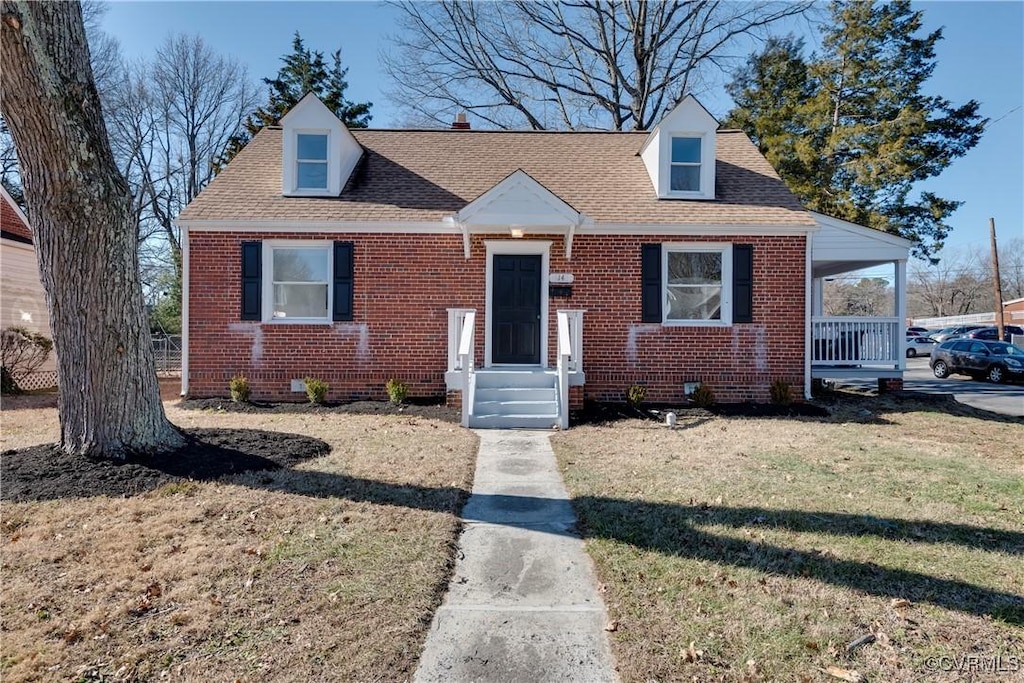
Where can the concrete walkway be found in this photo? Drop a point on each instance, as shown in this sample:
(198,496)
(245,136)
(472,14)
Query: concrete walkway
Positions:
(523,603)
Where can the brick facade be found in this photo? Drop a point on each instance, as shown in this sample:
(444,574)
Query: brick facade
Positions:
(404,284)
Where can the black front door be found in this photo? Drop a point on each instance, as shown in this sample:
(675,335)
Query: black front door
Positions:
(515,317)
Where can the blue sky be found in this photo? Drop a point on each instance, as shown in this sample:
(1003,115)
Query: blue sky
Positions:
(981,57)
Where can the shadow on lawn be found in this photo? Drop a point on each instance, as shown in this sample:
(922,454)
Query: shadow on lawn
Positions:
(673,529)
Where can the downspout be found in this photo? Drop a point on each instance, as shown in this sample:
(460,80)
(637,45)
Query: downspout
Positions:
(808,343)
(184,308)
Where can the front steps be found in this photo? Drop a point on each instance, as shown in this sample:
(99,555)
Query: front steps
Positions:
(515,399)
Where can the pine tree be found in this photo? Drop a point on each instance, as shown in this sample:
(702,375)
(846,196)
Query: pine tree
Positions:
(304,71)
(850,130)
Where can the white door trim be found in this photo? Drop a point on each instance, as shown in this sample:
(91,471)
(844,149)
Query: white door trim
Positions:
(527,247)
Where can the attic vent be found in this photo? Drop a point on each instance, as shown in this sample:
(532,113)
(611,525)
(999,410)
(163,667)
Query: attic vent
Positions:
(460,122)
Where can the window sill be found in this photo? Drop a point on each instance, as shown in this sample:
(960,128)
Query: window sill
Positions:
(299,321)
(695,323)
(309,193)
(687,195)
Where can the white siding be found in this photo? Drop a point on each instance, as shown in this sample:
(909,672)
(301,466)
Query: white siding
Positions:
(22,301)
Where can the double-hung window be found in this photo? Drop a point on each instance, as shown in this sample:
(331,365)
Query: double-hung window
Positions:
(685,162)
(300,282)
(311,161)
(697,281)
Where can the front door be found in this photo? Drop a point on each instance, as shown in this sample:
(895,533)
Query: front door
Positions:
(515,315)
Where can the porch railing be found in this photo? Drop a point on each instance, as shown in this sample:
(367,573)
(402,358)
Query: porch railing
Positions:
(575,321)
(465,361)
(857,341)
(565,353)
(456,320)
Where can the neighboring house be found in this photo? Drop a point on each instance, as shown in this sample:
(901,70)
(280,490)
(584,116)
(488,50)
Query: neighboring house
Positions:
(22,300)
(547,260)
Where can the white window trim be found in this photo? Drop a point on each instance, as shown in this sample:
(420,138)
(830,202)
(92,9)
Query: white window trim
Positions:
(268,280)
(527,247)
(699,164)
(310,191)
(707,178)
(725,249)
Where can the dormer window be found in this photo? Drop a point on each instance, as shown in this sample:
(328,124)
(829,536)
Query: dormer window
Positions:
(311,161)
(679,153)
(685,164)
(318,153)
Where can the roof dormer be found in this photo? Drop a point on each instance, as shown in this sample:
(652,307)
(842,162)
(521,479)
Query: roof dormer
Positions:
(680,152)
(318,151)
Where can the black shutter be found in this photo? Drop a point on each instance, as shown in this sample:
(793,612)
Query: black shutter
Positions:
(343,292)
(252,285)
(743,283)
(650,283)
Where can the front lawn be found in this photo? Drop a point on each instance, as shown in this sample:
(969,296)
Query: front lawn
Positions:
(328,570)
(885,542)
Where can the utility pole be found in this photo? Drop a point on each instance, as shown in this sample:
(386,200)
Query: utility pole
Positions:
(995,276)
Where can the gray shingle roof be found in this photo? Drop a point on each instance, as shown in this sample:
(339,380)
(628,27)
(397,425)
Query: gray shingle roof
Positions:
(417,175)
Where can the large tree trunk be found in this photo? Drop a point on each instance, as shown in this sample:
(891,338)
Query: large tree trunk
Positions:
(80,209)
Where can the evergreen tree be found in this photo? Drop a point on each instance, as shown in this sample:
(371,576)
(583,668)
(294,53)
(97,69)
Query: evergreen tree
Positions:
(850,130)
(304,71)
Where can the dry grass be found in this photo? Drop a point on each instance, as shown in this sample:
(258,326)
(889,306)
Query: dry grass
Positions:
(327,572)
(757,549)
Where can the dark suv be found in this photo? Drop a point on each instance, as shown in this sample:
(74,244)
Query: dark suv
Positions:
(992,333)
(993,360)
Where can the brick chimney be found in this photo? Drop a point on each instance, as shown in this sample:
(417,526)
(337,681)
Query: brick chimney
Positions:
(460,122)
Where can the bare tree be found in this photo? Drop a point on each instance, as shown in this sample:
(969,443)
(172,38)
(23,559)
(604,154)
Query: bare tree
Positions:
(956,285)
(573,64)
(169,120)
(85,235)
(105,58)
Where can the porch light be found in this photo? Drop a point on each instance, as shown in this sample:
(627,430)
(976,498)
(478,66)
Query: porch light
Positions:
(516,232)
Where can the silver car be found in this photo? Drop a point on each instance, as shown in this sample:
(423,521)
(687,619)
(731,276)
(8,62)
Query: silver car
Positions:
(920,346)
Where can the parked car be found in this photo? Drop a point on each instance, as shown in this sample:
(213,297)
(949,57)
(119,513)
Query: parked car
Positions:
(953,332)
(918,331)
(919,346)
(995,361)
(992,333)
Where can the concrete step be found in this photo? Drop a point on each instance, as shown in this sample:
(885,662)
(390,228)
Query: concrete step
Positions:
(484,395)
(508,379)
(514,406)
(513,421)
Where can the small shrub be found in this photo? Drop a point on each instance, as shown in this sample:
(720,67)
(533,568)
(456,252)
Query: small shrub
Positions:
(635,394)
(316,390)
(21,353)
(397,390)
(702,396)
(781,392)
(239,386)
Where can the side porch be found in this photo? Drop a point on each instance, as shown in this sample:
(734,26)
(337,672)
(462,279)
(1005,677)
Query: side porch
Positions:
(846,346)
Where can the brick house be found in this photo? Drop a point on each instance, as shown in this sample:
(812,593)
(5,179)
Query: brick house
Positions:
(520,272)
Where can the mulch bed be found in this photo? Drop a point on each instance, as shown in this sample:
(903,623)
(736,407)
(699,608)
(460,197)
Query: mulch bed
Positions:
(429,408)
(47,473)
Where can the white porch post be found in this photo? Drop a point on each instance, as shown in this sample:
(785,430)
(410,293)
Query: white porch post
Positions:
(900,289)
(817,296)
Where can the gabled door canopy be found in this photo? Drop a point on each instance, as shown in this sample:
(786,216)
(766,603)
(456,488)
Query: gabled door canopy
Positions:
(522,205)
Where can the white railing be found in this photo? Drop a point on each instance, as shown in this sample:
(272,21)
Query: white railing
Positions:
(456,320)
(565,352)
(863,341)
(465,354)
(575,319)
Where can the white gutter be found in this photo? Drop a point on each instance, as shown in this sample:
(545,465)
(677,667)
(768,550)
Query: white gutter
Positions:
(808,342)
(184,309)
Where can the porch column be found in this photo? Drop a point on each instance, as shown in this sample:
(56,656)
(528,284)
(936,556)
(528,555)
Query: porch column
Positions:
(899,286)
(817,295)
